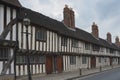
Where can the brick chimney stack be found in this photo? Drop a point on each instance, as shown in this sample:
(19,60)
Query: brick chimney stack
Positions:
(72,17)
(109,37)
(69,17)
(117,41)
(95,31)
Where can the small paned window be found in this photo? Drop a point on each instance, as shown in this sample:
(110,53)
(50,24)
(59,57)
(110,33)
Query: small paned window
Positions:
(41,34)
(20,59)
(107,50)
(105,59)
(74,43)
(37,59)
(84,59)
(87,46)
(72,60)
(102,49)
(111,51)
(4,53)
(63,41)
(96,48)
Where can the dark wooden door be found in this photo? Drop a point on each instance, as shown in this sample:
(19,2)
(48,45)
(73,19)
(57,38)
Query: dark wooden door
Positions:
(59,64)
(49,64)
(118,60)
(110,61)
(93,62)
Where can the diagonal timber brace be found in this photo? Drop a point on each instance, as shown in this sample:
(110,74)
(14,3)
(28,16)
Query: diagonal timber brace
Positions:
(2,37)
(8,29)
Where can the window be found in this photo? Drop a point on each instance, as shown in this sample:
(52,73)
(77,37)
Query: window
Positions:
(74,43)
(21,59)
(102,49)
(42,59)
(87,46)
(111,51)
(107,50)
(4,53)
(72,60)
(105,60)
(84,60)
(37,59)
(96,48)
(32,59)
(41,34)
(63,41)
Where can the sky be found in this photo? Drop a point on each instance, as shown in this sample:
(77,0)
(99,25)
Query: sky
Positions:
(105,13)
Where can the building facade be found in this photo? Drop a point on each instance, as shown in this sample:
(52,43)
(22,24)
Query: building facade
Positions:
(54,46)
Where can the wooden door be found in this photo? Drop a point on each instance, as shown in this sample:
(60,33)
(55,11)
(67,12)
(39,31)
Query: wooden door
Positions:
(118,60)
(59,64)
(49,64)
(110,61)
(93,62)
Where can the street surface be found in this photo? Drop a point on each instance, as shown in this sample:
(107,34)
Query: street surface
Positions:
(113,74)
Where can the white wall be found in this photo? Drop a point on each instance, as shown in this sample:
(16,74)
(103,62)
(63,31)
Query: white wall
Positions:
(1,18)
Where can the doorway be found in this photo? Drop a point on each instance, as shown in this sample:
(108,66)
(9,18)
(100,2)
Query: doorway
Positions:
(110,61)
(54,64)
(93,62)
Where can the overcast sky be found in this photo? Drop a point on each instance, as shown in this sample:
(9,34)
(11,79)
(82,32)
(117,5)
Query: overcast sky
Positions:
(105,13)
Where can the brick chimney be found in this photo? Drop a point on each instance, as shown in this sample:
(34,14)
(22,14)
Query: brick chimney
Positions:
(117,41)
(69,17)
(95,31)
(109,37)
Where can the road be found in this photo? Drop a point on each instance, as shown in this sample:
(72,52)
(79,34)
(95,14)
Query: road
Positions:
(113,74)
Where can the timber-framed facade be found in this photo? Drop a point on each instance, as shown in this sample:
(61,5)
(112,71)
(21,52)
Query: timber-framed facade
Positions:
(54,46)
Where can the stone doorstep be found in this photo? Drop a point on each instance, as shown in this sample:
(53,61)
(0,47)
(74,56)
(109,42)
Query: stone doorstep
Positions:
(7,77)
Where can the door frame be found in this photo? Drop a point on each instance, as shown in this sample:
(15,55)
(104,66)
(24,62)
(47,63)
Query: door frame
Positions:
(93,61)
(54,64)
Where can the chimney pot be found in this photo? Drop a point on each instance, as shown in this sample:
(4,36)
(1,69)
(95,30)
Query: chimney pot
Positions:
(66,5)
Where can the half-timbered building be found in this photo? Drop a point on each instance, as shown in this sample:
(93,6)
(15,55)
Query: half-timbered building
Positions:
(54,46)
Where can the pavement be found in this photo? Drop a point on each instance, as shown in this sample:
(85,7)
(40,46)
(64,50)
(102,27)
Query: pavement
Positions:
(58,76)
(73,75)
(113,74)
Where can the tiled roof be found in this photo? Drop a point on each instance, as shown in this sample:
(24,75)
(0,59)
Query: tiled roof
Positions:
(60,28)
(12,2)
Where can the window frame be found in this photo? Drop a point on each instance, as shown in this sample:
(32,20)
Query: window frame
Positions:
(75,43)
(34,59)
(96,47)
(84,59)
(64,41)
(87,46)
(4,53)
(72,60)
(41,32)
